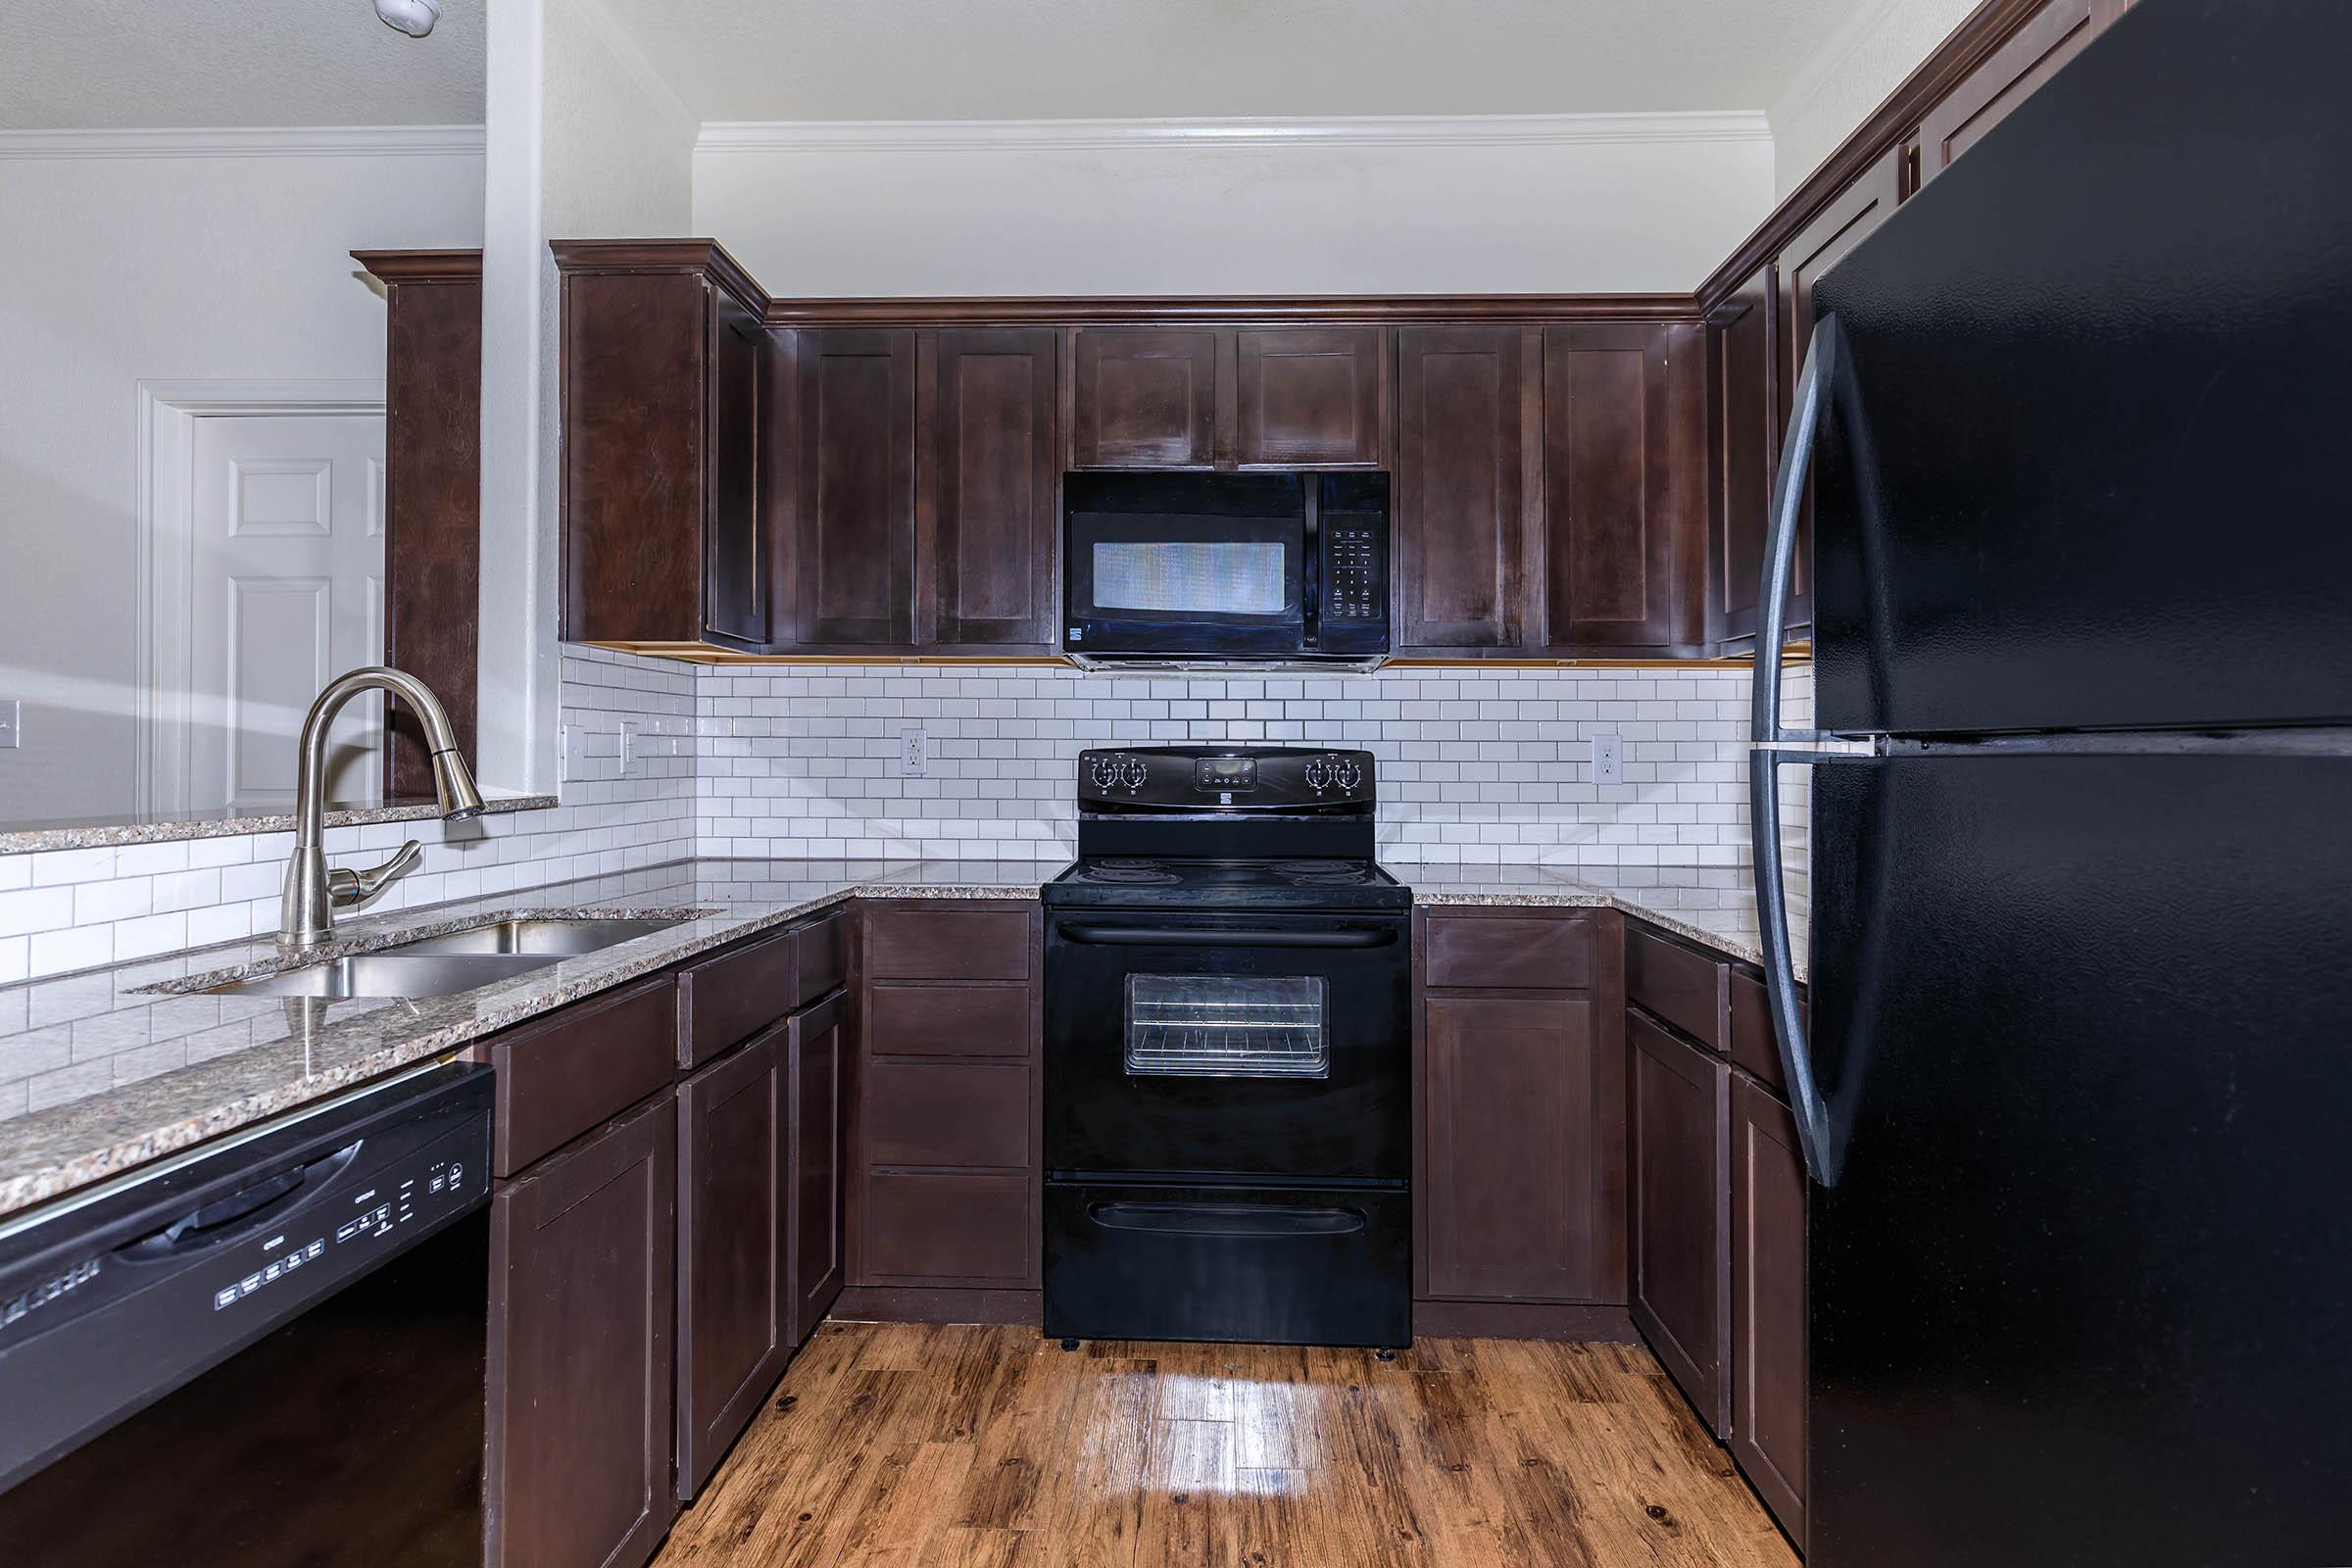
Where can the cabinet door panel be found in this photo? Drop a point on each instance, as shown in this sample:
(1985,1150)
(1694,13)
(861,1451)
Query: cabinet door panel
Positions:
(1525,1141)
(1309,397)
(1768,1302)
(968,1228)
(989,484)
(1143,398)
(1624,439)
(855,504)
(2007,77)
(1459,486)
(733,1336)
(817,1165)
(1680,1248)
(582,1291)
(1850,218)
(1747,443)
(734,538)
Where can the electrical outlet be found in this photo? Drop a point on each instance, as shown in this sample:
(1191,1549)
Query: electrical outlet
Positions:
(631,744)
(913,753)
(1608,759)
(11,725)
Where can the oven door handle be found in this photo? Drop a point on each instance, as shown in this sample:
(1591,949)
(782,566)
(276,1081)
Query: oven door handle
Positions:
(1225,1219)
(1153,936)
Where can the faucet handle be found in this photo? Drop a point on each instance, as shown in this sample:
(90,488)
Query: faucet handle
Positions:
(345,887)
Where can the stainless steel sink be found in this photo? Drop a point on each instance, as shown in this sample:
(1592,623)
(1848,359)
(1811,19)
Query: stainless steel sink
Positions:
(446,964)
(390,974)
(561,939)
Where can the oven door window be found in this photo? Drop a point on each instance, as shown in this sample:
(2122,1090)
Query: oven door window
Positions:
(1228,1026)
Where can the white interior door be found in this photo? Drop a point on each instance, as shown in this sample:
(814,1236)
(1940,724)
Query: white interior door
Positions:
(286,537)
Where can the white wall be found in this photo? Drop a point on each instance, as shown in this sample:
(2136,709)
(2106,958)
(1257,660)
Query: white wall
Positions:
(119,269)
(1866,58)
(1535,204)
(585,141)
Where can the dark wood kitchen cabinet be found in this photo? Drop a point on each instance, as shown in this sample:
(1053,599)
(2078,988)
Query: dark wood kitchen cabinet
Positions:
(1622,536)
(1681,1273)
(853,464)
(734,1305)
(1460,486)
(582,1254)
(2032,56)
(1521,1151)
(664,358)
(1743,448)
(817,1067)
(988,490)
(1228,397)
(1768,1196)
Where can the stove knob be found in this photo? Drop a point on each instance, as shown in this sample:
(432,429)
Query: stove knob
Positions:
(1317,775)
(1345,773)
(1104,772)
(1131,773)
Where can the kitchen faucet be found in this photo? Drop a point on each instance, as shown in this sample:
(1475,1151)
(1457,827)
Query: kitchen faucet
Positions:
(313,890)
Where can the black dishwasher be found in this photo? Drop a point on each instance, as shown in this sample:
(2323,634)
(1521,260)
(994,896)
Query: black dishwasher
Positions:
(269,1354)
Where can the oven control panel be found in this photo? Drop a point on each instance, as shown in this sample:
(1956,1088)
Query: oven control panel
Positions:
(1195,778)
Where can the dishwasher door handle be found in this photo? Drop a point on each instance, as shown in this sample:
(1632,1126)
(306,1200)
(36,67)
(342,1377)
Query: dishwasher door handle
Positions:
(1151,936)
(1225,1219)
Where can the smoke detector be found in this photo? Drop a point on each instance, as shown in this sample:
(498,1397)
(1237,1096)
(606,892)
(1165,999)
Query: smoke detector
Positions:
(415,17)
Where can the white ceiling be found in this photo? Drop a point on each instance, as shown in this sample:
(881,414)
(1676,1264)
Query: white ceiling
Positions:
(738,60)
(102,64)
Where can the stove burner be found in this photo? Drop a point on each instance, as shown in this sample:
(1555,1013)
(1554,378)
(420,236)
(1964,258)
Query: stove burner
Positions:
(1129,873)
(1318,874)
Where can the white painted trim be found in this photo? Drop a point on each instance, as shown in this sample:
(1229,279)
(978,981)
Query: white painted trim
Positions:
(1097,135)
(167,506)
(246,141)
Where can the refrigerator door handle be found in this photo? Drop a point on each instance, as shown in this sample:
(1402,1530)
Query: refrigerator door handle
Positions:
(1772,744)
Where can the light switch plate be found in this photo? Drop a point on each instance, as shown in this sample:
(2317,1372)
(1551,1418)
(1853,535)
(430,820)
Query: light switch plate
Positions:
(1608,759)
(913,753)
(11,725)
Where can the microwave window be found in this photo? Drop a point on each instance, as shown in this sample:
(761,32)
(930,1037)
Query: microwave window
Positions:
(1196,576)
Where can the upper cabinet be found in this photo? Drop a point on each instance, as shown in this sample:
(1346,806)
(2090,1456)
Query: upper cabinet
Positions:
(1743,445)
(1460,486)
(1227,397)
(853,461)
(664,362)
(988,489)
(2007,77)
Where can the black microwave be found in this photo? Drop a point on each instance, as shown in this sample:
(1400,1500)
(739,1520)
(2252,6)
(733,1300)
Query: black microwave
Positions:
(1241,567)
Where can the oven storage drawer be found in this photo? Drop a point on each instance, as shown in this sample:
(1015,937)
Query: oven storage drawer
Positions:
(1270,1265)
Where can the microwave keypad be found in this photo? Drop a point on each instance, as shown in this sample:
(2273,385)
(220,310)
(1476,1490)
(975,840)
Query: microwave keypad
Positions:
(1353,585)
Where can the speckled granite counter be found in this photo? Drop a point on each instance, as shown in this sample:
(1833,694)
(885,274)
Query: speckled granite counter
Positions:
(1714,906)
(106,1074)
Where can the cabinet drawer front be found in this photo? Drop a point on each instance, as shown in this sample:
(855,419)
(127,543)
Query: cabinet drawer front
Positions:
(820,958)
(935,944)
(559,1076)
(724,1001)
(1534,952)
(1687,989)
(1753,1045)
(951,1021)
(949,1227)
(946,1113)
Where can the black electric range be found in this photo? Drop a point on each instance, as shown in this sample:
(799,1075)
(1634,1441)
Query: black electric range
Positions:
(1228,1047)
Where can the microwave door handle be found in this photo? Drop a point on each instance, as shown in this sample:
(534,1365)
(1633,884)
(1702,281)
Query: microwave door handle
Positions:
(1311,568)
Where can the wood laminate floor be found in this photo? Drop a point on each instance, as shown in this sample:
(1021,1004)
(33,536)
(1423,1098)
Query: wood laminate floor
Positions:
(899,1446)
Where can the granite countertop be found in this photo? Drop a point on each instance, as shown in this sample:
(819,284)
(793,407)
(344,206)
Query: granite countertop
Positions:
(114,1074)
(101,832)
(117,1066)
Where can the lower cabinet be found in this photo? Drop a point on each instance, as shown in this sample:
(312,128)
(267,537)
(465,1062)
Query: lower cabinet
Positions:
(734,1302)
(1768,1302)
(817,1083)
(1682,1211)
(582,1260)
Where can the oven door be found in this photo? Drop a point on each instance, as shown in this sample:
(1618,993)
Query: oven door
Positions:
(1229,1044)
(1185,585)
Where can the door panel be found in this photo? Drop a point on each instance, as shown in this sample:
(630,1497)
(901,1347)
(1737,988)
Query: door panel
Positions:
(1143,398)
(1309,397)
(2030,57)
(286,556)
(1747,419)
(2142,529)
(1459,487)
(1525,1150)
(1679,1252)
(816,1169)
(856,488)
(1767,1369)
(735,562)
(989,481)
(2078,1025)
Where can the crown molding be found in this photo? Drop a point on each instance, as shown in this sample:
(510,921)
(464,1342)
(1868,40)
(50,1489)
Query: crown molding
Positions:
(246,141)
(1106,135)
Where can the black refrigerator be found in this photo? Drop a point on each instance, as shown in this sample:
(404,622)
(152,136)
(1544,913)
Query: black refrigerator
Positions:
(2076,1087)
